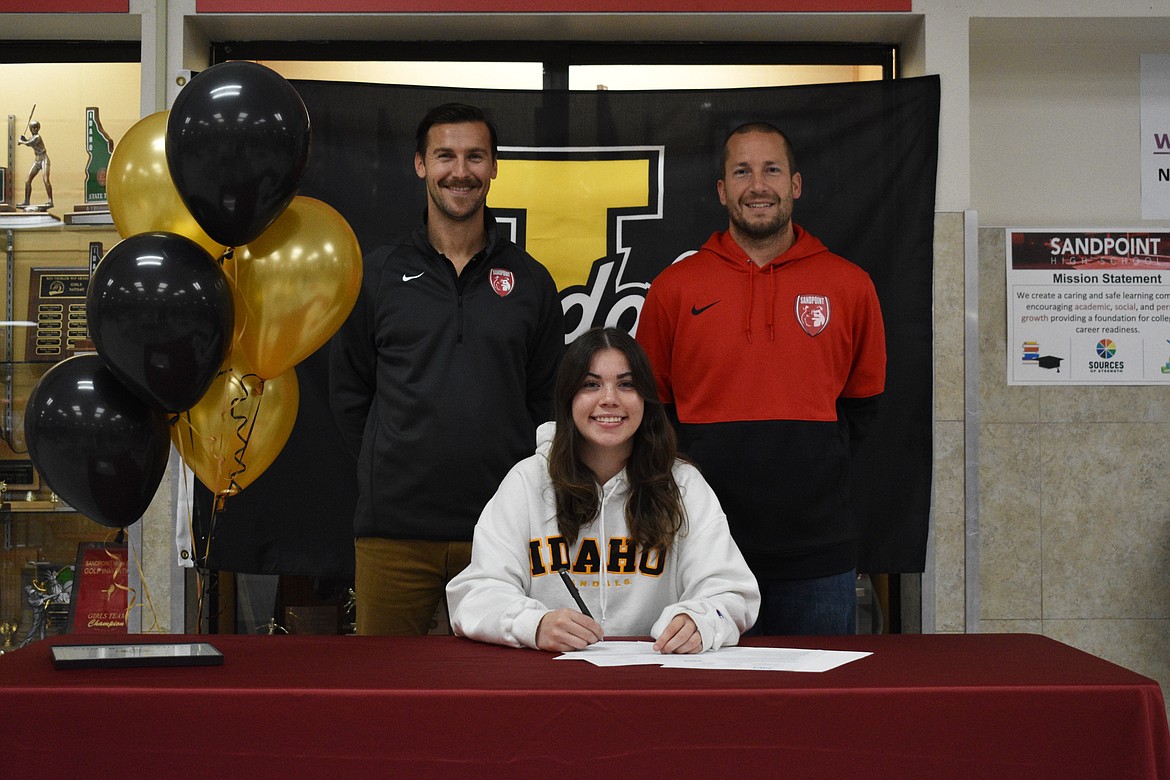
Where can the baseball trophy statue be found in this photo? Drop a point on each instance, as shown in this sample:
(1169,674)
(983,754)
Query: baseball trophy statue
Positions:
(40,166)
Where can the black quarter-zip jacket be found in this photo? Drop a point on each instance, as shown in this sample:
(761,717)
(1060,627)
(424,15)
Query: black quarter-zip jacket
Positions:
(438,382)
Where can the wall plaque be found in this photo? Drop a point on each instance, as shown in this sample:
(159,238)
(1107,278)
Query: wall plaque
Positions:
(56,306)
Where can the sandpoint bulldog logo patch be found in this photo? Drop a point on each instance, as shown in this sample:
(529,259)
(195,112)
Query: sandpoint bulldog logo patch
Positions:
(812,312)
(502,281)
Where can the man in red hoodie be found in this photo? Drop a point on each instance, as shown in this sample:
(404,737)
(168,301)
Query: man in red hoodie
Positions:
(771,350)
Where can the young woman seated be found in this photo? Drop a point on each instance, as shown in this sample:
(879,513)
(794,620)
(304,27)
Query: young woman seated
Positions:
(606,497)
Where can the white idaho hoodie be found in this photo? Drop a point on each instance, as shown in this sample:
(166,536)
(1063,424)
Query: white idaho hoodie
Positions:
(517,551)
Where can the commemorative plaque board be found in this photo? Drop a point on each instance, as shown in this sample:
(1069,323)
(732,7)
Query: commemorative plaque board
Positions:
(56,306)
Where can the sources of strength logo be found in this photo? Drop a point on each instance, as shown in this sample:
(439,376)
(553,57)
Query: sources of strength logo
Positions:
(1107,361)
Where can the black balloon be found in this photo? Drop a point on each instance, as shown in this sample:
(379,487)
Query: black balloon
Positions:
(237,143)
(96,445)
(161,315)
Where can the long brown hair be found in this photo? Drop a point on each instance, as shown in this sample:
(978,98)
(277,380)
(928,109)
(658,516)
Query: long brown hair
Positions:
(654,508)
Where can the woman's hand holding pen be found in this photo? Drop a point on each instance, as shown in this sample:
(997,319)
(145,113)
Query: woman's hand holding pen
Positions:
(562,630)
(681,635)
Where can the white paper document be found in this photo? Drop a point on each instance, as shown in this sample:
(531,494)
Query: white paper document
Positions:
(773,659)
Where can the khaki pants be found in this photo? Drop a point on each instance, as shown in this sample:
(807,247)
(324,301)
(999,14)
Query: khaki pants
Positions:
(399,582)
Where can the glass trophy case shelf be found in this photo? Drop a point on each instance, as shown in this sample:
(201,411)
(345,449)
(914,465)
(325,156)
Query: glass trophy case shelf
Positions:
(78,107)
(42,535)
(38,561)
(47,270)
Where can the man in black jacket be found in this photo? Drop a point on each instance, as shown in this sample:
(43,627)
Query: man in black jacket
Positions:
(439,377)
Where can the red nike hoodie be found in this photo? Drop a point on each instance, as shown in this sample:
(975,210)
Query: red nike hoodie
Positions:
(768,369)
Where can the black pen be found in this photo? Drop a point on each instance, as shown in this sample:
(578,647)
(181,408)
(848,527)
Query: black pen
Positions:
(564,572)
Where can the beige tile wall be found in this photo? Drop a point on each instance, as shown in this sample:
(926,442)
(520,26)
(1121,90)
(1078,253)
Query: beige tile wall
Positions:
(949,437)
(1074,494)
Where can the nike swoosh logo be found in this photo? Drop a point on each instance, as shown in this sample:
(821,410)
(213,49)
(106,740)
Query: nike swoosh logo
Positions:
(406,278)
(697,311)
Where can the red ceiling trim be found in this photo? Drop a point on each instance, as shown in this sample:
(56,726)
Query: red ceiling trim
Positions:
(64,7)
(558,6)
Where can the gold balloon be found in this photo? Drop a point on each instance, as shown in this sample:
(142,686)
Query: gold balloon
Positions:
(142,197)
(294,285)
(239,426)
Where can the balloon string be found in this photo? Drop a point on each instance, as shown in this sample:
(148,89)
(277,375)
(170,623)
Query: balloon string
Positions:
(202,575)
(242,318)
(196,435)
(119,561)
(241,424)
(132,602)
(247,422)
(204,578)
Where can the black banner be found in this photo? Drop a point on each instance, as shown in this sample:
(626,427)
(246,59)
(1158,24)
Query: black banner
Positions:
(607,188)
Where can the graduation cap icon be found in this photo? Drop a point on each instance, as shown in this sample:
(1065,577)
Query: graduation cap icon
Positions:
(1050,361)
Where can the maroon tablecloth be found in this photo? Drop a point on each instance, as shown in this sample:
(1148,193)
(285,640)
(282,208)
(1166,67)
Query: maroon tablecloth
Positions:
(953,706)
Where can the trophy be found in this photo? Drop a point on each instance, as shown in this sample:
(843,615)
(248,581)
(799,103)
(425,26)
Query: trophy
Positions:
(7,630)
(26,213)
(40,166)
(48,594)
(99,148)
